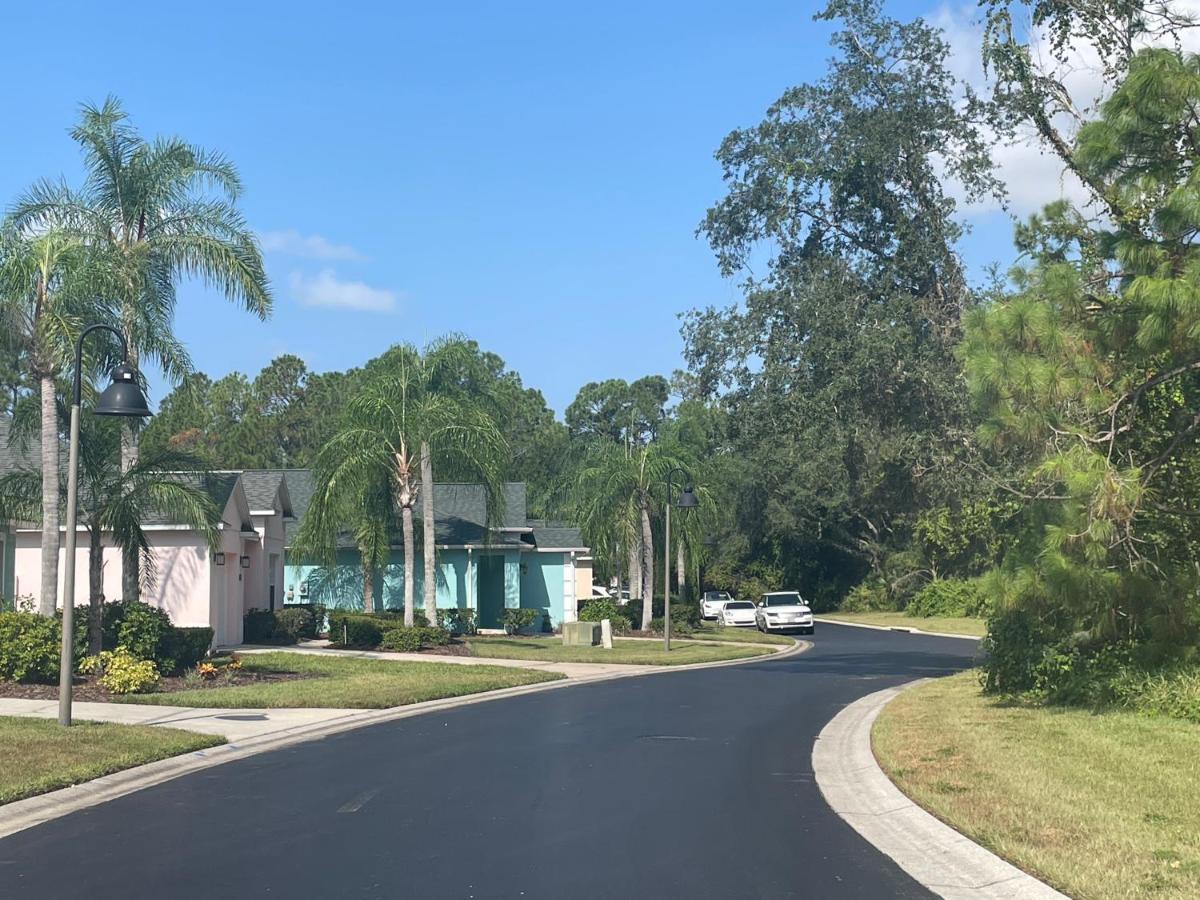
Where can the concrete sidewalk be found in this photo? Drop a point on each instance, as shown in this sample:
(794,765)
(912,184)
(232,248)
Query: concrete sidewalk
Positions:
(232,724)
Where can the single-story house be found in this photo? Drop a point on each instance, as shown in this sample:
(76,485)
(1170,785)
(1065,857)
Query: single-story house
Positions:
(515,563)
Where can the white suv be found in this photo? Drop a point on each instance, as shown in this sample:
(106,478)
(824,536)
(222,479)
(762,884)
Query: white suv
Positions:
(783,611)
(711,603)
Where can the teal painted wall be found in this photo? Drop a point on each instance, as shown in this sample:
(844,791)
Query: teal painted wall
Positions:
(8,565)
(542,584)
(531,581)
(341,587)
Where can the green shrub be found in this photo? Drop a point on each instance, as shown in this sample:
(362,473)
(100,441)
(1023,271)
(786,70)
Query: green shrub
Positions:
(314,623)
(406,640)
(122,672)
(432,636)
(358,630)
(947,597)
(1015,651)
(516,620)
(677,627)
(410,640)
(183,648)
(457,621)
(293,623)
(869,596)
(599,609)
(30,647)
(258,626)
(138,627)
(282,626)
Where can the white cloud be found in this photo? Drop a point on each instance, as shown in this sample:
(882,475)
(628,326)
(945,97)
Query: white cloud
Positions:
(326,289)
(1033,175)
(308,246)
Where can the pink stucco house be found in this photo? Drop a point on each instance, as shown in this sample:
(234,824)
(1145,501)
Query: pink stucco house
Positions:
(195,584)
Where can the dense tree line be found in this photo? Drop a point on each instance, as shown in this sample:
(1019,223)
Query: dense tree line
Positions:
(865,423)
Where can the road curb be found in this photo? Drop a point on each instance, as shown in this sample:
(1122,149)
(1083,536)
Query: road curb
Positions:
(22,814)
(930,851)
(918,631)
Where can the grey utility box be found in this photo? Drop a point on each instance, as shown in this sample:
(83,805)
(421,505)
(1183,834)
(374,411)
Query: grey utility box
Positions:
(581,634)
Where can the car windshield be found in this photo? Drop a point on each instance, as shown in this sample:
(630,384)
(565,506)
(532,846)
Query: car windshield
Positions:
(740,604)
(716,595)
(783,600)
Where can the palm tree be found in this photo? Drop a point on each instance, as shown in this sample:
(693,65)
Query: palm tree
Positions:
(393,429)
(157,211)
(615,495)
(44,296)
(116,502)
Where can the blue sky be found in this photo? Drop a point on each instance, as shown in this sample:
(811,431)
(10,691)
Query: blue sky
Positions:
(529,174)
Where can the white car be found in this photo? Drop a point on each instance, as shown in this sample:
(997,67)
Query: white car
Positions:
(622,597)
(783,611)
(599,590)
(711,603)
(738,613)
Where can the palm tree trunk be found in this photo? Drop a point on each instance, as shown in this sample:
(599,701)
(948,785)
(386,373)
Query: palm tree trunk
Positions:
(95,590)
(368,574)
(428,528)
(634,568)
(51,539)
(407,520)
(131,574)
(647,566)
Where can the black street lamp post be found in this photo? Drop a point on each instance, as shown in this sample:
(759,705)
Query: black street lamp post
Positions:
(123,397)
(687,500)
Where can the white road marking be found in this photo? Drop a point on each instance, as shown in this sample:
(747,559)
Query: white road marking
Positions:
(358,802)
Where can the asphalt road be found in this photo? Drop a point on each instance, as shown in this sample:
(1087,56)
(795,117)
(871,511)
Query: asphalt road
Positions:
(688,784)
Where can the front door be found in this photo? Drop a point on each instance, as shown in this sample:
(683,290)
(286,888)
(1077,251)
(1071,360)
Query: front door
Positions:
(491,591)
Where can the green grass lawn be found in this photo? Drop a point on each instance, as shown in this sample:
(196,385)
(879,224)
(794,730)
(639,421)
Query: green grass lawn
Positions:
(709,631)
(39,755)
(632,652)
(349,683)
(947,624)
(1101,806)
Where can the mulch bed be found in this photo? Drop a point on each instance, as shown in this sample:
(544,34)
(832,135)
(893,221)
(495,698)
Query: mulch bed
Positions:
(87,689)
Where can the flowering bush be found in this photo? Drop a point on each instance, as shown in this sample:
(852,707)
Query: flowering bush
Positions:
(121,672)
(207,671)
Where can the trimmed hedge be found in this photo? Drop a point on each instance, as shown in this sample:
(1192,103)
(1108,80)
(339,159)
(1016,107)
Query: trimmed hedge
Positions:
(185,647)
(687,613)
(358,630)
(410,640)
(283,626)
